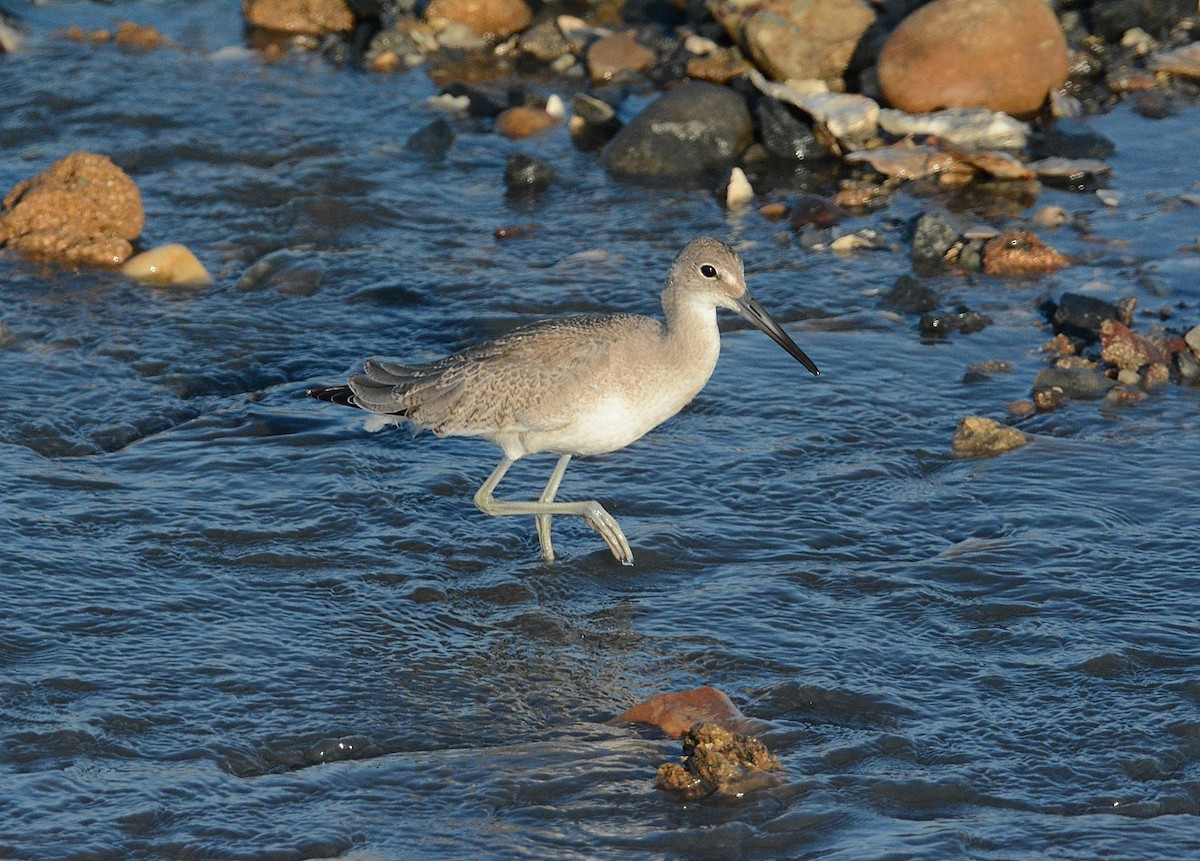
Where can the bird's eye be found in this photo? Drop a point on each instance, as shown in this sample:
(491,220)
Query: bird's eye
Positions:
(708,271)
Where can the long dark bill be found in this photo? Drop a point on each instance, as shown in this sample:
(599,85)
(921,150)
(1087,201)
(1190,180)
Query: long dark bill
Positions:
(749,308)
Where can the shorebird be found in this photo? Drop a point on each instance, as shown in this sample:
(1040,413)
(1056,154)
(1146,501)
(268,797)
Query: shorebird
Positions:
(573,386)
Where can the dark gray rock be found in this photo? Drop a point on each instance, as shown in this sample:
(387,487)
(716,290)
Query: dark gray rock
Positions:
(1081,384)
(933,236)
(1111,18)
(962,320)
(1188,368)
(691,134)
(1074,139)
(1078,316)
(526,177)
(909,296)
(785,134)
(595,122)
(433,140)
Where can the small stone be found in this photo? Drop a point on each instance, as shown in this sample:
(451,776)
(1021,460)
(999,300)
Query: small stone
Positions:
(933,237)
(385,61)
(675,713)
(1082,384)
(1080,316)
(717,761)
(525,177)
(962,320)
(738,191)
(1192,339)
(785,134)
(432,140)
(134,35)
(1020,409)
(618,56)
(491,19)
(544,42)
(1005,55)
(1188,366)
(523,121)
(909,296)
(167,265)
(1018,253)
(595,122)
(1048,399)
(719,67)
(773,211)
(299,17)
(977,435)
(972,128)
(1127,377)
(812,209)
(1124,348)
(1051,217)
(1183,61)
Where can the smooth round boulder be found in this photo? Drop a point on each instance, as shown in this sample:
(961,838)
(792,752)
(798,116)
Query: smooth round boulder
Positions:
(1003,55)
(491,19)
(690,134)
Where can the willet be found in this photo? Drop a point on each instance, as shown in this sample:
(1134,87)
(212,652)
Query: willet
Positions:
(573,386)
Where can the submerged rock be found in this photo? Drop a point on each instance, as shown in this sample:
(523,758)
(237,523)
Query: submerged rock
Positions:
(675,713)
(1079,316)
(1016,253)
(523,121)
(961,319)
(81,211)
(691,133)
(909,296)
(717,761)
(525,176)
(299,17)
(1005,55)
(977,435)
(1076,383)
(171,265)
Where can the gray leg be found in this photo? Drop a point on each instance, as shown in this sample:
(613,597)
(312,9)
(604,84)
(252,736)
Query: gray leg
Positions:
(591,511)
(543,520)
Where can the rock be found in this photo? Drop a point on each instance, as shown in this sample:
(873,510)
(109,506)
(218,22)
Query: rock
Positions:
(797,39)
(691,133)
(717,761)
(82,210)
(167,265)
(960,320)
(1005,55)
(1015,253)
(1051,217)
(970,128)
(844,122)
(490,19)
(1183,61)
(618,56)
(131,35)
(594,124)
(526,177)
(1127,350)
(1070,138)
(1079,316)
(544,42)
(523,121)
(1188,367)
(1077,383)
(785,134)
(976,435)
(299,17)
(433,140)
(738,191)
(908,161)
(676,713)
(1192,339)
(1111,19)
(812,209)
(719,66)
(909,296)
(933,237)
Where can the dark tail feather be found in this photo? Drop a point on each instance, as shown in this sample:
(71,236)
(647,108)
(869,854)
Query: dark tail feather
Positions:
(334,395)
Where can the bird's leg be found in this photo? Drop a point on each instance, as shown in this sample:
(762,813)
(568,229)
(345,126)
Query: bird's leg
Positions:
(543,520)
(591,511)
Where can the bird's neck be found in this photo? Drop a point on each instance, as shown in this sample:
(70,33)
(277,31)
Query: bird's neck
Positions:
(691,326)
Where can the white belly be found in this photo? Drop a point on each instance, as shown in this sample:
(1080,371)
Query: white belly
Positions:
(608,424)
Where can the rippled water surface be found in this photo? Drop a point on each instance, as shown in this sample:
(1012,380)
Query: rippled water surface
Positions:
(236,625)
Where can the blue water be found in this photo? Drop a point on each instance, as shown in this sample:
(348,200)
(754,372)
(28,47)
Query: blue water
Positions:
(236,625)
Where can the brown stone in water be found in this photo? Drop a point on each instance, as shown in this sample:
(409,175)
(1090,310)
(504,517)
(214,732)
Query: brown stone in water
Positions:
(977,435)
(716,760)
(1127,350)
(1004,55)
(719,67)
(522,121)
(134,35)
(299,17)
(675,713)
(1018,253)
(491,19)
(618,55)
(81,211)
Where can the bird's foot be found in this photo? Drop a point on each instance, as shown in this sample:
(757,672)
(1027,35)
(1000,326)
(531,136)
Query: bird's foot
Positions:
(610,531)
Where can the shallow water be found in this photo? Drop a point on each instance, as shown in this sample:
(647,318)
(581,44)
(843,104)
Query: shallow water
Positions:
(238,626)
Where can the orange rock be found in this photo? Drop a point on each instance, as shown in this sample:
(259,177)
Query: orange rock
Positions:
(492,19)
(138,36)
(299,17)
(1018,253)
(1005,55)
(522,121)
(618,55)
(1126,349)
(82,210)
(676,713)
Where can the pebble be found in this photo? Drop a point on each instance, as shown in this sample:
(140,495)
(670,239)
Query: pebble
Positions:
(167,265)
(1079,316)
(1082,384)
(432,140)
(718,761)
(976,435)
(973,128)
(909,296)
(738,191)
(1015,253)
(1192,339)
(491,19)
(523,121)
(933,237)
(617,57)
(1051,217)
(594,124)
(525,176)
(299,17)
(962,320)
(1005,55)
(784,134)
